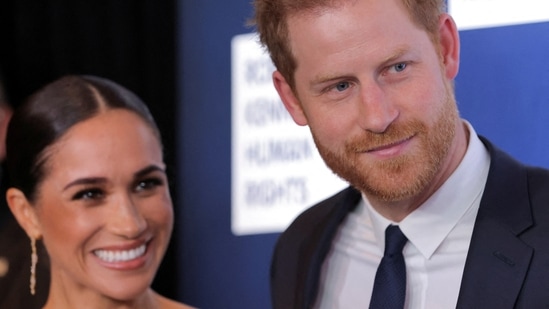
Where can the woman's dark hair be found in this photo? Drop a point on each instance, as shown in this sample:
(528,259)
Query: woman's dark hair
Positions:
(50,113)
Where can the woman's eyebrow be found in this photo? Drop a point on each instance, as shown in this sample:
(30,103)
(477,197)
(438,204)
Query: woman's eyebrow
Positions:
(85,181)
(149,169)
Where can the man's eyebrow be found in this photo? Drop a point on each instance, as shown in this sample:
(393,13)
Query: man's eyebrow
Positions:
(321,79)
(398,53)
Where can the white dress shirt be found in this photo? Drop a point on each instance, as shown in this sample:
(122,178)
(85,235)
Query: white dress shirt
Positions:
(438,232)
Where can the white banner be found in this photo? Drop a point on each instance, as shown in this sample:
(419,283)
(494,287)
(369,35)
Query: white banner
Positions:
(276,170)
(471,14)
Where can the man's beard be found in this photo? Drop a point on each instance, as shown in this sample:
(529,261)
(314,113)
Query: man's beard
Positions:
(406,175)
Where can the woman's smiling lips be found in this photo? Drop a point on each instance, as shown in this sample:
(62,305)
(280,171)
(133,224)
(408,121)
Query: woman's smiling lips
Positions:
(123,259)
(113,256)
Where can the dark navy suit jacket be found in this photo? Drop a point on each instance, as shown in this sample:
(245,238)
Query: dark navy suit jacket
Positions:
(507,265)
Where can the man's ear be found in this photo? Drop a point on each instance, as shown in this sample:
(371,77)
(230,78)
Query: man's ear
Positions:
(290,101)
(24,212)
(449,45)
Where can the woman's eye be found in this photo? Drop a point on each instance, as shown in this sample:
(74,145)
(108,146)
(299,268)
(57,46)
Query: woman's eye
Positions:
(148,184)
(88,194)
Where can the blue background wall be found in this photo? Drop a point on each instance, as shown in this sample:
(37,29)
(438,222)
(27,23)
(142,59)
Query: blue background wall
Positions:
(502,88)
(217,269)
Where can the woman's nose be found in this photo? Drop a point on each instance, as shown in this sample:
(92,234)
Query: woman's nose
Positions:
(126,219)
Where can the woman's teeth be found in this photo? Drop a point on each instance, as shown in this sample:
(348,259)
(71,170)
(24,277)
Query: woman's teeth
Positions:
(120,256)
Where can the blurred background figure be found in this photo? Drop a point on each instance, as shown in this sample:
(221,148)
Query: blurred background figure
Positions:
(15,251)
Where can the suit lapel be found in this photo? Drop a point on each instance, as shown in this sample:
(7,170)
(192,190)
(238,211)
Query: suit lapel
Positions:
(498,260)
(345,202)
(496,266)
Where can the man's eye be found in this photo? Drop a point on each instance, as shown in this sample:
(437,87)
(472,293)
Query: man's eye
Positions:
(88,194)
(342,86)
(399,67)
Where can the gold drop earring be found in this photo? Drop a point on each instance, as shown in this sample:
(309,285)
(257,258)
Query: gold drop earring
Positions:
(34,261)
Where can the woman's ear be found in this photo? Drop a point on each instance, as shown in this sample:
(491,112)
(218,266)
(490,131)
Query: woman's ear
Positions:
(24,212)
(291,102)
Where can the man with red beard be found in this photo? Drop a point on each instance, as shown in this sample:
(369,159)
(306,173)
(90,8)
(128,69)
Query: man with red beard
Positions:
(373,80)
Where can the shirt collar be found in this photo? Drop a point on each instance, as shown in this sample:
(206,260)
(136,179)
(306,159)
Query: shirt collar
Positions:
(428,225)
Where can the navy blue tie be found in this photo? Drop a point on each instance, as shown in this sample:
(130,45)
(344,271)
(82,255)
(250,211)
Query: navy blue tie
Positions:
(390,283)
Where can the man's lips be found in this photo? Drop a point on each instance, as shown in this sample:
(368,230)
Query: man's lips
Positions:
(387,147)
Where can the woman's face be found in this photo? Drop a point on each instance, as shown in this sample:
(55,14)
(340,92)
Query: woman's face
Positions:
(104,208)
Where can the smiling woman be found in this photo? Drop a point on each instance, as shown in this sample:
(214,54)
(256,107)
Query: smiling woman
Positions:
(90,181)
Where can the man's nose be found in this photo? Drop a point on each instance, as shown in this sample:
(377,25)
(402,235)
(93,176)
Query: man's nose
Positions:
(376,112)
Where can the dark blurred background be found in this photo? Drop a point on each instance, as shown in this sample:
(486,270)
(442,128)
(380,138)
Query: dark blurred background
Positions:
(131,42)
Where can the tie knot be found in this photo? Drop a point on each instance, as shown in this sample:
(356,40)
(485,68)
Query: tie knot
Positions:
(394,240)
